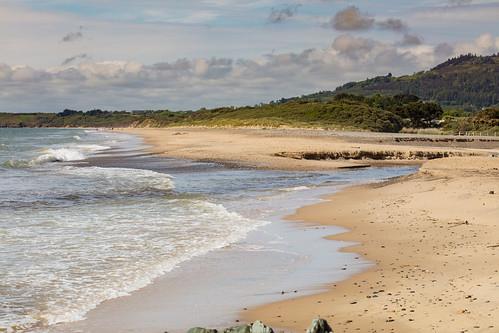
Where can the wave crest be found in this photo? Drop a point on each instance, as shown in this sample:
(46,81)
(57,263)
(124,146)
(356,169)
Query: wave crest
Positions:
(123,179)
(52,155)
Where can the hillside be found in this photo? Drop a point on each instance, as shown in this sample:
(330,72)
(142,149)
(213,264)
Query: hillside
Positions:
(465,81)
(387,114)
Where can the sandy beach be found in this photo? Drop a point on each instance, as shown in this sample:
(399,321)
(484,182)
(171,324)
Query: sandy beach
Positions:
(432,235)
(285,149)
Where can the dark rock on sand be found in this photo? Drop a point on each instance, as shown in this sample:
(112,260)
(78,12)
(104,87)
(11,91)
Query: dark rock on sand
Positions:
(256,327)
(319,326)
(201,330)
(239,329)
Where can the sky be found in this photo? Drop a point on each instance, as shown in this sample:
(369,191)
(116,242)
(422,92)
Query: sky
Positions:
(183,55)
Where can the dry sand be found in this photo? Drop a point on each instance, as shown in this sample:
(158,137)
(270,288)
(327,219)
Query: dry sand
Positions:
(433,236)
(256,148)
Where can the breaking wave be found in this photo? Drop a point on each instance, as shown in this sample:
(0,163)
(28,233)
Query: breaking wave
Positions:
(52,155)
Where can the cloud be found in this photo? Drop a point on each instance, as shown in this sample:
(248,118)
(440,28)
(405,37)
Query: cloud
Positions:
(392,24)
(460,2)
(69,60)
(484,44)
(354,47)
(350,19)
(410,39)
(197,82)
(444,50)
(72,36)
(476,14)
(278,15)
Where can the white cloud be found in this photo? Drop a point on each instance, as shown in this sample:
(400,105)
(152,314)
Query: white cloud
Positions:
(187,54)
(188,84)
(483,44)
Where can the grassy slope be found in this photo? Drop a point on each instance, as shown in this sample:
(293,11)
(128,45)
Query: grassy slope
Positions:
(337,114)
(464,81)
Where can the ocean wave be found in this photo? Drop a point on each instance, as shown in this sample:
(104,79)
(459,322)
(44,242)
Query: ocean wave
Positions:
(48,156)
(92,147)
(119,249)
(122,180)
(52,155)
(86,185)
(295,188)
(60,155)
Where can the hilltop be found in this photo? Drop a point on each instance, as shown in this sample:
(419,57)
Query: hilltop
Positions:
(465,81)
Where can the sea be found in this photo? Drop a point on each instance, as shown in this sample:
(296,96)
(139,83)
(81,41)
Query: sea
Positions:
(87,216)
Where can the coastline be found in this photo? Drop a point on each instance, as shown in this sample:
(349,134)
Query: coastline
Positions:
(306,150)
(436,262)
(407,290)
(296,257)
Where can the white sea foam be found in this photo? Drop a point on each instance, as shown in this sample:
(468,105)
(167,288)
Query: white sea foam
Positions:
(121,179)
(51,155)
(77,137)
(59,155)
(296,188)
(98,252)
(47,156)
(92,148)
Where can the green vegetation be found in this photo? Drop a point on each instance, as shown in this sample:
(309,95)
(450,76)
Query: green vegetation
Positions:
(485,121)
(377,113)
(468,81)
(381,104)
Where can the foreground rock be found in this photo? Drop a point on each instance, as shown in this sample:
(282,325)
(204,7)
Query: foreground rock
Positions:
(201,330)
(317,326)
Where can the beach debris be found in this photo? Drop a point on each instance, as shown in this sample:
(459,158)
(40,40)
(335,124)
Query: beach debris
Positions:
(239,329)
(491,192)
(259,327)
(201,330)
(319,326)
(256,327)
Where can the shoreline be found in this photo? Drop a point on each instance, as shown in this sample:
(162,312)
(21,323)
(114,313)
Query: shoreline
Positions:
(429,274)
(144,310)
(335,303)
(305,150)
(364,302)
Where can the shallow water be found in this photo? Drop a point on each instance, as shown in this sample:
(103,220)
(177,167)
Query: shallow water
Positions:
(87,217)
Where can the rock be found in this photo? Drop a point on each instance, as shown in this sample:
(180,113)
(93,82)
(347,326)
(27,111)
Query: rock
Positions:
(319,326)
(259,327)
(201,330)
(256,327)
(491,192)
(239,329)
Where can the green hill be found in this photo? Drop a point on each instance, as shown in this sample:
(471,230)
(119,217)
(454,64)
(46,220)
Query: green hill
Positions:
(466,81)
(384,103)
(378,113)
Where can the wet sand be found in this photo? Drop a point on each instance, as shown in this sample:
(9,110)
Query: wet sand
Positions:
(433,235)
(434,239)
